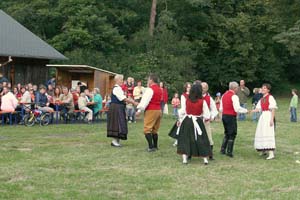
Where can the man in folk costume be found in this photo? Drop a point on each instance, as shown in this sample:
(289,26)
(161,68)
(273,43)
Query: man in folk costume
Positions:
(213,113)
(116,117)
(230,106)
(150,103)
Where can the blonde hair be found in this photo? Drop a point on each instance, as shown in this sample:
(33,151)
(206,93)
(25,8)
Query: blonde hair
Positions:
(118,77)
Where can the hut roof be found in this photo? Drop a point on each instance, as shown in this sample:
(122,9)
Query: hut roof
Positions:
(80,68)
(18,41)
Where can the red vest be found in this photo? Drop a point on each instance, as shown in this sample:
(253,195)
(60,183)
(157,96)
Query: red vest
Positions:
(207,99)
(154,103)
(185,95)
(194,108)
(264,103)
(228,103)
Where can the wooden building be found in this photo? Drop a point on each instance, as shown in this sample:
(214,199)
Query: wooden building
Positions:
(69,75)
(30,54)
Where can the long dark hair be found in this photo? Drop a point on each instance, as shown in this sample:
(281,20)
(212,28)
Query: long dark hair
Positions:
(195,92)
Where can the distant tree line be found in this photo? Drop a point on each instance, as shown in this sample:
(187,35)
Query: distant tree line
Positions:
(212,40)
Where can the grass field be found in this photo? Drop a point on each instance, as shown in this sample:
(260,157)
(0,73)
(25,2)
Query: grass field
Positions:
(77,162)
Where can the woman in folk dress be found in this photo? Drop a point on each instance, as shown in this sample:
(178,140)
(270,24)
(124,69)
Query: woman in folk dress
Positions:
(183,97)
(192,136)
(265,130)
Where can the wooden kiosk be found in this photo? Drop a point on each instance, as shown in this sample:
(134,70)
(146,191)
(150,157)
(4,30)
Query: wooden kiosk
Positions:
(69,75)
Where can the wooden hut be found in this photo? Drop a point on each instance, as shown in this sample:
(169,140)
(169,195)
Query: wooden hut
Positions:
(69,75)
(30,54)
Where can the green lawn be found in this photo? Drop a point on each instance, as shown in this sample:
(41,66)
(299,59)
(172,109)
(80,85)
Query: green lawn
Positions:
(77,162)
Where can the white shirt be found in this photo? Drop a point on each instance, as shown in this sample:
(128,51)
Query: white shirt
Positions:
(272,103)
(26,97)
(213,108)
(236,105)
(146,98)
(205,111)
(119,93)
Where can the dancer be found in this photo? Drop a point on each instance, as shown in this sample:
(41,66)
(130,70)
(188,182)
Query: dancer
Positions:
(192,136)
(183,97)
(230,106)
(116,117)
(150,103)
(213,113)
(265,130)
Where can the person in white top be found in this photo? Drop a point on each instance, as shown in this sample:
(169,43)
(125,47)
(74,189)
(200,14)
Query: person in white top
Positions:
(116,116)
(187,87)
(138,91)
(230,106)
(213,113)
(25,99)
(265,131)
(8,101)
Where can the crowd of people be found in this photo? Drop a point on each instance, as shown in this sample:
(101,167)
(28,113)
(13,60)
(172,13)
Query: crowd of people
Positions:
(63,100)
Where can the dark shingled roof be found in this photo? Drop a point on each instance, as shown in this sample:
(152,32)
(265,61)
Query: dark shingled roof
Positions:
(17,41)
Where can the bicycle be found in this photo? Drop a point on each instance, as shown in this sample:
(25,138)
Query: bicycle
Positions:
(36,116)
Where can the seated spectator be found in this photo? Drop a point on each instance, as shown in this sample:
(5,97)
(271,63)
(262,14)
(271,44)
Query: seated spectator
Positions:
(17,93)
(56,95)
(82,104)
(32,94)
(8,101)
(41,100)
(76,94)
(50,91)
(98,101)
(88,95)
(35,89)
(26,99)
(67,108)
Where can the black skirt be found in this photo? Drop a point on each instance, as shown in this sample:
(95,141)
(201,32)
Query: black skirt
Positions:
(173,131)
(188,144)
(116,122)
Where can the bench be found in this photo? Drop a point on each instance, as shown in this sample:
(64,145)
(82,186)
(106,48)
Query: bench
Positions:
(10,113)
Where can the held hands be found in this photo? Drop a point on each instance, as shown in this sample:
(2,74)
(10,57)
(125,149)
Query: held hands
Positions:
(138,113)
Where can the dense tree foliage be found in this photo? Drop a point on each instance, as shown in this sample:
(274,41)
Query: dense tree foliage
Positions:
(213,40)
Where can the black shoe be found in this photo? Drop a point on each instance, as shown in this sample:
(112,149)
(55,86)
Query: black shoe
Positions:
(229,155)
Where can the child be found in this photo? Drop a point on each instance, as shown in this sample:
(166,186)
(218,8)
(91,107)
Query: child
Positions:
(175,104)
(294,105)
(130,111)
